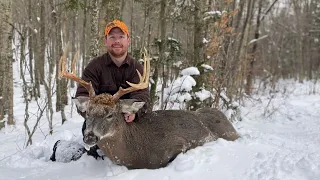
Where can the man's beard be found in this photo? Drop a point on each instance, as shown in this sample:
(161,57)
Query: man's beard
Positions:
(117,54)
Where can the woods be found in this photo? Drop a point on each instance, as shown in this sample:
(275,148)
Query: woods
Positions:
(233,44)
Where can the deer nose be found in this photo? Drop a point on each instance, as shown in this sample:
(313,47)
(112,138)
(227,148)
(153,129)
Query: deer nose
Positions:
(90,139)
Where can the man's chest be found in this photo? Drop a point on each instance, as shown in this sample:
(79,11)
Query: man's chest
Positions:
(112,79)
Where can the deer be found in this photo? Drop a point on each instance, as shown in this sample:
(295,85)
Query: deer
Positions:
(153,140)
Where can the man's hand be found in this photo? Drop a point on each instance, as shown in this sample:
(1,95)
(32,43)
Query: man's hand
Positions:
(129,117)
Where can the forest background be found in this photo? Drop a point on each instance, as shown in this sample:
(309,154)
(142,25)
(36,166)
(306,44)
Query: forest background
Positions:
(239,47)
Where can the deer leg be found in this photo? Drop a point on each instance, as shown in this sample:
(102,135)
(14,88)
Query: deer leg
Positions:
(84,127)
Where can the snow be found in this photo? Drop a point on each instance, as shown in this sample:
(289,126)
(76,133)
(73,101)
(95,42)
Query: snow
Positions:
(280,140)
(173,39)
(181,84)
(180,87)
(213,13)
(207,67)
(255,40)
(177,63)
(190,71)
(203,94)
(204,41)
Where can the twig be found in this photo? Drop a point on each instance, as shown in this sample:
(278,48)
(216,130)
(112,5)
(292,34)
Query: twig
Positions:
(8,156)
(268,10)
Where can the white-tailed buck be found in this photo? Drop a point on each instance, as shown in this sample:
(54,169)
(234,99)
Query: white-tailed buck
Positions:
(152,140)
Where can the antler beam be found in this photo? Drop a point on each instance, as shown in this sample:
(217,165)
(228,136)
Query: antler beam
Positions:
(72,75)
(144,80)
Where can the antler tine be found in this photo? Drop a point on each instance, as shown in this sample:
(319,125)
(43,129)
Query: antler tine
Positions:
(72,75)
(143,83)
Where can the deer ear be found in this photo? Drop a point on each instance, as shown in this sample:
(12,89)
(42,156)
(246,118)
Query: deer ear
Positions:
(130,105)
(81,103)
(138,105)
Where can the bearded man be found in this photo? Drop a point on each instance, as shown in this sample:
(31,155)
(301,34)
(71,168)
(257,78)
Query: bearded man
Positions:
(107,73)
(110,71)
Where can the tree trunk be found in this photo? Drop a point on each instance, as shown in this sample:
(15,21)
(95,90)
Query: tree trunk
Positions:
(30,48)
(7,55)
(37,61)
(63,89)
(25,85)
(73,40)
(10,81)
(155,77)
(132,39)
(252,54)
(2,71)
(197,33)
(51,63)
(123,4)
(197,59)
(162,60)
(237,22)
(145,24)
(42,42)
(94,27)
(83,42)
(299,40)
(242,58)
(58,52)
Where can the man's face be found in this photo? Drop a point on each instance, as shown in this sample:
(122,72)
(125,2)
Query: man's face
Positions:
(117,42)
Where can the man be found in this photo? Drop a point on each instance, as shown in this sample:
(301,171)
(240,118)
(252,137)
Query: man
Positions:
(110,71)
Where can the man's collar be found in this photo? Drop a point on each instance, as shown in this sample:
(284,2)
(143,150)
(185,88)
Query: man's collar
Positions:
(109,61)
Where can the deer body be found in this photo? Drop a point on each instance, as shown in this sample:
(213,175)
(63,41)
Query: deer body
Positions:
(156,138)
(152,140)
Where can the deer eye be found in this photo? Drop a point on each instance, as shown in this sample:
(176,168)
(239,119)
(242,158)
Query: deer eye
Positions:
(109,116)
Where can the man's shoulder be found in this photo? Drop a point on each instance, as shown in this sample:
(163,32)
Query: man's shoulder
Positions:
(134,62)
(97,61)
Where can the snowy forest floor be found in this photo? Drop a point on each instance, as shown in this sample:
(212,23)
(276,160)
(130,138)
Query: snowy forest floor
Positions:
(280,140)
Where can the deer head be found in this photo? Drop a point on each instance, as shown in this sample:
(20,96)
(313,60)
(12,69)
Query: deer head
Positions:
(104,110)
(102,119)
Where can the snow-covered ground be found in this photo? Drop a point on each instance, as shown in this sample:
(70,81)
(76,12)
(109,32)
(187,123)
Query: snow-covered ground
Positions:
(280,140)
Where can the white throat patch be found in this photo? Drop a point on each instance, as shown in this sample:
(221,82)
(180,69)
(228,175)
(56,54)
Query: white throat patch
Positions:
(109,134)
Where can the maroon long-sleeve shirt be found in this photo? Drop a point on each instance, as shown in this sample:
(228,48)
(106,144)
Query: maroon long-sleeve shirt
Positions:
(107,77)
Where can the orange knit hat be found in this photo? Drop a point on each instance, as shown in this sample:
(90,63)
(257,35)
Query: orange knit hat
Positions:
(118,24)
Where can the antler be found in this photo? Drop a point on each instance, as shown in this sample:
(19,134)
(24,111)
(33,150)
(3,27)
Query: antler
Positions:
(144,80)
(72,75)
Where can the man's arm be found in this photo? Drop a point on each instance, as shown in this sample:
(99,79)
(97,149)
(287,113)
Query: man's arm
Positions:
(90,74)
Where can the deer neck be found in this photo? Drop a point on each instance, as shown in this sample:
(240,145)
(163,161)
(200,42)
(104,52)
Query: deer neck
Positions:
(116,129)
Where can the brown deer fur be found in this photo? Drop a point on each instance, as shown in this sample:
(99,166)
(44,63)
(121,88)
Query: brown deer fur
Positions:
(154,139)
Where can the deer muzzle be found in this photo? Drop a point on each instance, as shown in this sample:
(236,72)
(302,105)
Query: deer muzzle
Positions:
(90,139)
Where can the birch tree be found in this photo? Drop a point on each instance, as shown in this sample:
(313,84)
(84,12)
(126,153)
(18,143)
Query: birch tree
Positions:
(6,54)
(94,29)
